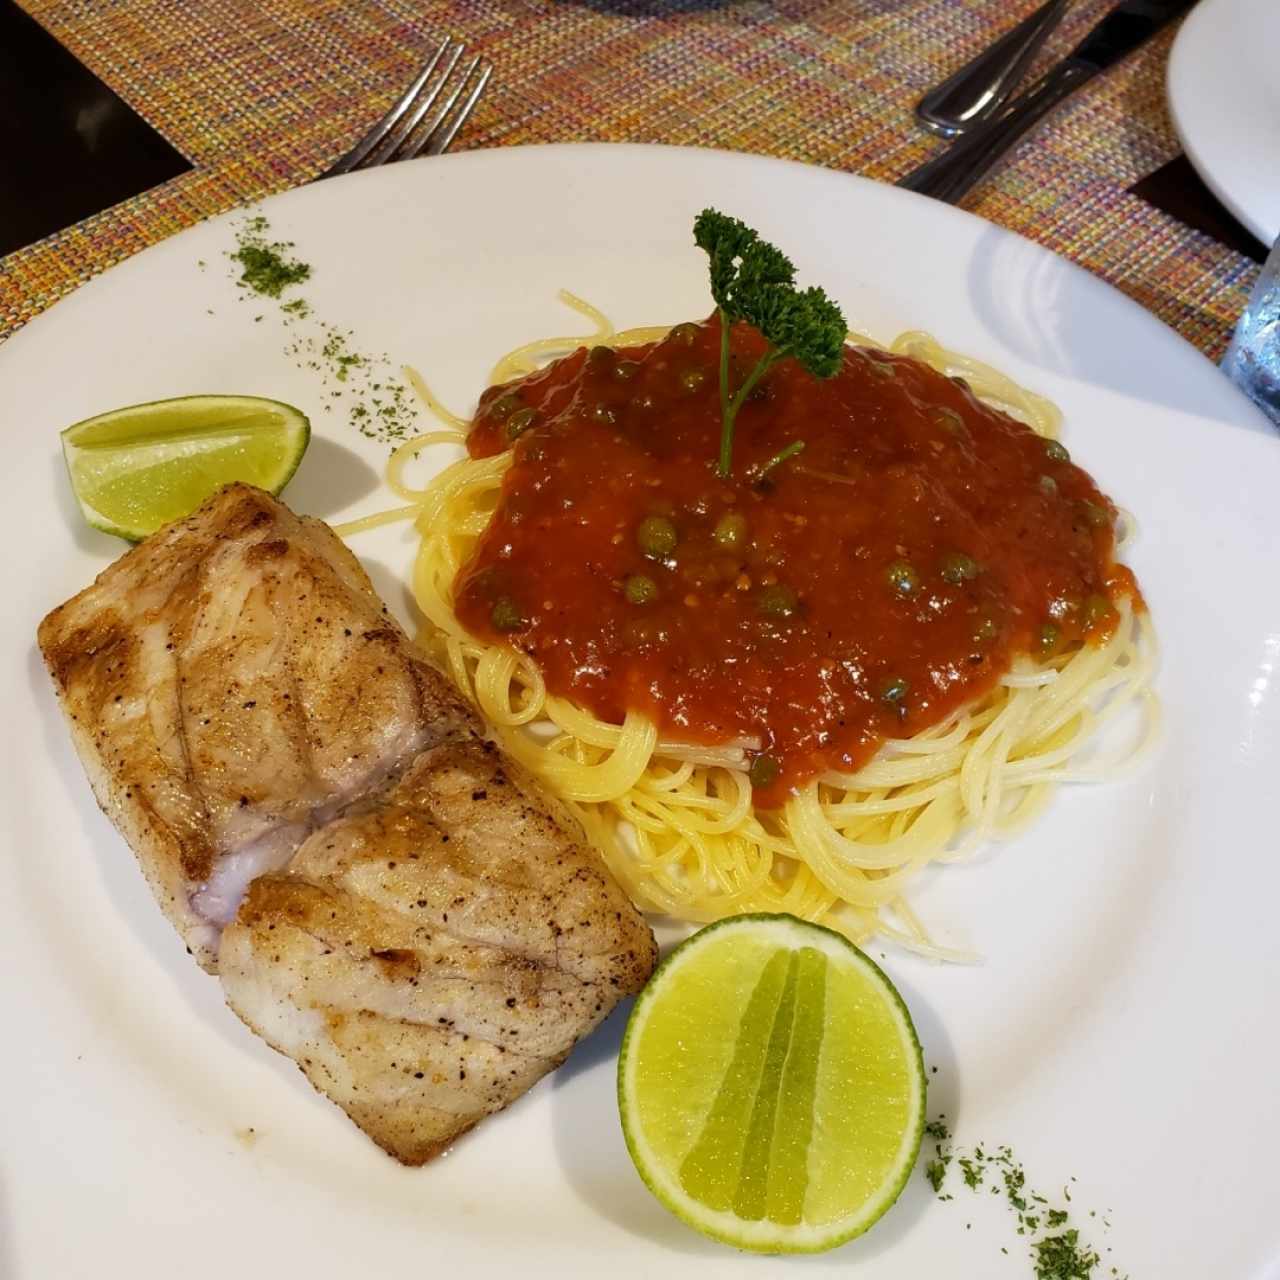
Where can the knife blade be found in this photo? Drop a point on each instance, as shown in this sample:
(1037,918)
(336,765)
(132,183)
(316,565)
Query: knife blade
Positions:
(1131,23)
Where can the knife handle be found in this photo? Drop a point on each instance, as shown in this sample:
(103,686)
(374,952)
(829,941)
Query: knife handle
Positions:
(951,175)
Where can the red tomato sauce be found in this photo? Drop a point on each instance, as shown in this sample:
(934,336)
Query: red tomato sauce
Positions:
(864,589)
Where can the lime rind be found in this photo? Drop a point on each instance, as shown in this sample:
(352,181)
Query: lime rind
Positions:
(764,1235)
(135,469)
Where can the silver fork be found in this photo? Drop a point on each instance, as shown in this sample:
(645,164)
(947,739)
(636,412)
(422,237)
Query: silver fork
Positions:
(397,136)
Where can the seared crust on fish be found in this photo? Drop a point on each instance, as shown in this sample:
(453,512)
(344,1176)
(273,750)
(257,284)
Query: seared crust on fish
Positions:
(428,957)
(228,684)
(388,899)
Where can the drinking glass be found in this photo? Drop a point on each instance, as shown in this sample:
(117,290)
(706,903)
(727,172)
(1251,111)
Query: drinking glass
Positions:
(1252,361)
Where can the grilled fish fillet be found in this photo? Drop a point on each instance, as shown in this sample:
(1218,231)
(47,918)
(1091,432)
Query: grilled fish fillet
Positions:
(416,925)
(431,954)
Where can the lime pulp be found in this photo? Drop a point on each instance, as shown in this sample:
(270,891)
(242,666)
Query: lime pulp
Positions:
(771,1086)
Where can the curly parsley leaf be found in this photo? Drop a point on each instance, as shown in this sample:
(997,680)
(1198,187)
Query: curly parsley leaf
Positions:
(753,281)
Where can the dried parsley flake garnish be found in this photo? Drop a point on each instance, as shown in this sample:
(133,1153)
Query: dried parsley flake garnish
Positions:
(1059,1256)
(266,267)
(1063,1257)
(378,404)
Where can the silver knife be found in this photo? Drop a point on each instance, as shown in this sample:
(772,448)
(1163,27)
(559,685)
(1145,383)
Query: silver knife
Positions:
(950,175)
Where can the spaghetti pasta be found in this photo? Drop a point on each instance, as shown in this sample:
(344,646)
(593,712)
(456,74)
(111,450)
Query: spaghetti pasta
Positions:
(675,822)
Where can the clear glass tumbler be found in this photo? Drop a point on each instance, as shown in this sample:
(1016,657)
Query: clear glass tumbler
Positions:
(1252,361)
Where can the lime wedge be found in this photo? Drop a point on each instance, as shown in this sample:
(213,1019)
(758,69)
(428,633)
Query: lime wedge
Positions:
(134,470)
(771,1086)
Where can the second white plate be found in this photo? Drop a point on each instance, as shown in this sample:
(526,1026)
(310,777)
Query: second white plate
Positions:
(1224,95)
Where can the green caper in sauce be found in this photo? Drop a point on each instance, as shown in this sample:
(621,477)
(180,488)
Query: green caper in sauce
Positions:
(600,356)
(506,615)
(763,772)
(640,589)
(1056,452)
(656,537)
(684,334)
(626,369)
(958,567)
(894,691)
(1097,610)
(1094,516)
(505,405)
(777,601)
(902,577)
(946,419)
(693,379)
(520,422)
(1048,486)
(1048,638)
(730,532)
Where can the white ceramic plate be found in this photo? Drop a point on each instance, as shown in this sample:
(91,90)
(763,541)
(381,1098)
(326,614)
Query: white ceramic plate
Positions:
(1224,96)
(1121,1031)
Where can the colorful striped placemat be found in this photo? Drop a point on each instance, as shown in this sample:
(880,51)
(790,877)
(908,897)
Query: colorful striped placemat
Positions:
(261,94)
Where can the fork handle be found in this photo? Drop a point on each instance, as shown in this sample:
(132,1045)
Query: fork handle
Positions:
(951,175)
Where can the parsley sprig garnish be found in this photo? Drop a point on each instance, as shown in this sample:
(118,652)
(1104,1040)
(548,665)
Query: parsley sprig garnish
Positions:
(760,474)
(752,280)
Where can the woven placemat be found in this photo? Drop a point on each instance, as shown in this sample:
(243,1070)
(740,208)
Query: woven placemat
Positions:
(261,94)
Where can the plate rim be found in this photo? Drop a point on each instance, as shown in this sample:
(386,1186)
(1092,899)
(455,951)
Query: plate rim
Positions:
(490,155)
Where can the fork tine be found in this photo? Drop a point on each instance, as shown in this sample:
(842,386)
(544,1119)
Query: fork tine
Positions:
(393,147)
(378,133)
(440,142)
(441,113)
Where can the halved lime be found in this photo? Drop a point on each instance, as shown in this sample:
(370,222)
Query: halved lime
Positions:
(771,1086)
(134,470)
